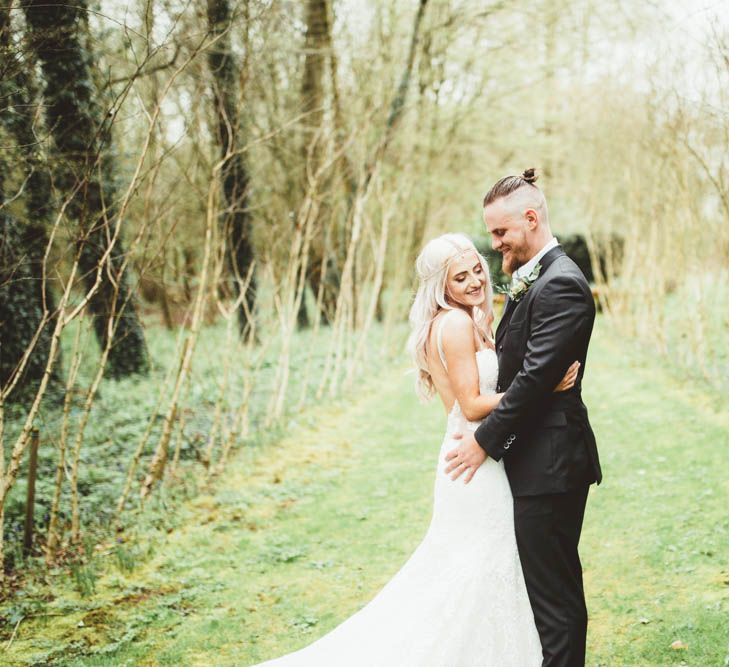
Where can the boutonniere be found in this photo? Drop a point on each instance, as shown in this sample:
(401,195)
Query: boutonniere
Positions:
(518,289)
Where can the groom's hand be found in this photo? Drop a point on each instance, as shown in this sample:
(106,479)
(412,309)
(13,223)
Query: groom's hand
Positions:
(467,456)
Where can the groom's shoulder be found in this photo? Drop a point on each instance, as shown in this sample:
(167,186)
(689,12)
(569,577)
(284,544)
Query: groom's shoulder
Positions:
(562,277)
(566,267)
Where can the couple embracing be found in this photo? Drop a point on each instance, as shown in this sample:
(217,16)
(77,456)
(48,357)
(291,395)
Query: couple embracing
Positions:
(497,580)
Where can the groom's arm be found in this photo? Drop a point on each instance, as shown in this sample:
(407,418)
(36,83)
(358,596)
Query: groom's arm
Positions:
(562,313)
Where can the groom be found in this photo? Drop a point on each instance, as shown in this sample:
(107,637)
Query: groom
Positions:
(544,437)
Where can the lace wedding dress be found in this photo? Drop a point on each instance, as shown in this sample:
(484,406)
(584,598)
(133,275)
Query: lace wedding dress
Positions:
(460,600)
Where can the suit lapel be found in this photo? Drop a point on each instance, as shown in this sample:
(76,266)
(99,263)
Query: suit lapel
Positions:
(503,323)
(511,305)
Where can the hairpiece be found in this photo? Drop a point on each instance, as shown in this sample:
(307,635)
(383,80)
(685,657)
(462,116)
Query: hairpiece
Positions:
(460,252)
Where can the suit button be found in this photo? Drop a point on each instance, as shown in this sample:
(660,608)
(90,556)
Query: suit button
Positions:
(501,347)
(506,445)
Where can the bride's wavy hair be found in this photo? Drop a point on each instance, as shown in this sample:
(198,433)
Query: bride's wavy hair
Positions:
(431,297)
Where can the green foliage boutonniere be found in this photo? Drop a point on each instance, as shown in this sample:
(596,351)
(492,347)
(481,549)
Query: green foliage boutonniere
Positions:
(521,286)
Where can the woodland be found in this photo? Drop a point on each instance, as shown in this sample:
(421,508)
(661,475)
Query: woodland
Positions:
(210,211)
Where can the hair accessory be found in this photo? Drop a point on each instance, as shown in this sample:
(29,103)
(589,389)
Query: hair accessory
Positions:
(460,252)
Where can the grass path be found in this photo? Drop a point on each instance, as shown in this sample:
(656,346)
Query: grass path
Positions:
(298,535)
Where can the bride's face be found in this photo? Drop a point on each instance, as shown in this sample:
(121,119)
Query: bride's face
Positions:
(466,281)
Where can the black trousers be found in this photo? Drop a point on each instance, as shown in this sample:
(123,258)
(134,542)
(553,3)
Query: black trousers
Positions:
(548,531)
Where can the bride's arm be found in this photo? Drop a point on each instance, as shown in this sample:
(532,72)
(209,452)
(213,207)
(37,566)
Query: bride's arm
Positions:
(460,353)
(459,348)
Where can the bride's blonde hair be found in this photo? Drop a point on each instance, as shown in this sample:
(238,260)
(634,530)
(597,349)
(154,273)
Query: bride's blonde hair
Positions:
(431,267)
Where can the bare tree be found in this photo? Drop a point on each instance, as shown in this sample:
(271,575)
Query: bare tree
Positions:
(323,272)
(84,164)
(24,293)
(236,218)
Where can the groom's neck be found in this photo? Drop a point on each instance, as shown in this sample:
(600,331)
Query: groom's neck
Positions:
(538,241)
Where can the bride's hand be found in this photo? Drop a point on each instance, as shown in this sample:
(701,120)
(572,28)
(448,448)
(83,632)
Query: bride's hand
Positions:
(569,379)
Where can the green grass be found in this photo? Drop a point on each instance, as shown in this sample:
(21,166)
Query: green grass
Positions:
(300,533)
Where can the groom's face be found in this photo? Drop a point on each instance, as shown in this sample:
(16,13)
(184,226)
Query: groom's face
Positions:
(508,232)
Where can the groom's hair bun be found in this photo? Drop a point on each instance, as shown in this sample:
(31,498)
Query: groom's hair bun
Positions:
(530,175)
(505,186)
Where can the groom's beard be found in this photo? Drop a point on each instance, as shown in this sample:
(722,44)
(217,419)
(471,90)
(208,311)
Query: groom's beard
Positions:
(510,263)
(516,253)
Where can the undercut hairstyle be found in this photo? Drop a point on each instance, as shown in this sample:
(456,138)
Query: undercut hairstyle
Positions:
(505,186)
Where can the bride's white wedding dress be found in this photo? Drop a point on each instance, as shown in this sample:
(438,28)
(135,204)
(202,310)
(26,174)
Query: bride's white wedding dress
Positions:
(460,600)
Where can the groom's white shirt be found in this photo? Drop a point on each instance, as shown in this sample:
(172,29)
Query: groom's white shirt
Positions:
(527,268)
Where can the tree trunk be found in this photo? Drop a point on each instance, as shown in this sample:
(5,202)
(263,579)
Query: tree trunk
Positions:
(318,43)
(397,106)
(236,219)
(325,267)
(24,292)
(20,310)
(80,132)
(323,272)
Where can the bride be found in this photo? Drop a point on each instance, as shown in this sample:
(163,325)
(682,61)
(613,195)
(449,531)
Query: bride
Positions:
(439,610)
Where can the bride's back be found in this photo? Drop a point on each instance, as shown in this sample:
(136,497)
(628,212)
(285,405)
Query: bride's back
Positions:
(436,357)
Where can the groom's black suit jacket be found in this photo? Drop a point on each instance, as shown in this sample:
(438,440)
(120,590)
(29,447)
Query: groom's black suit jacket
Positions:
(545,438)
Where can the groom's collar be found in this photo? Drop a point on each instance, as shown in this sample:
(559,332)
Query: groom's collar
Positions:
(550,256)
(527,268)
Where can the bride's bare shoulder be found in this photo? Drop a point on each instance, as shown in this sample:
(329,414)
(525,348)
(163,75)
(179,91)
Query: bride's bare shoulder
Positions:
(455,319)
(456,327)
